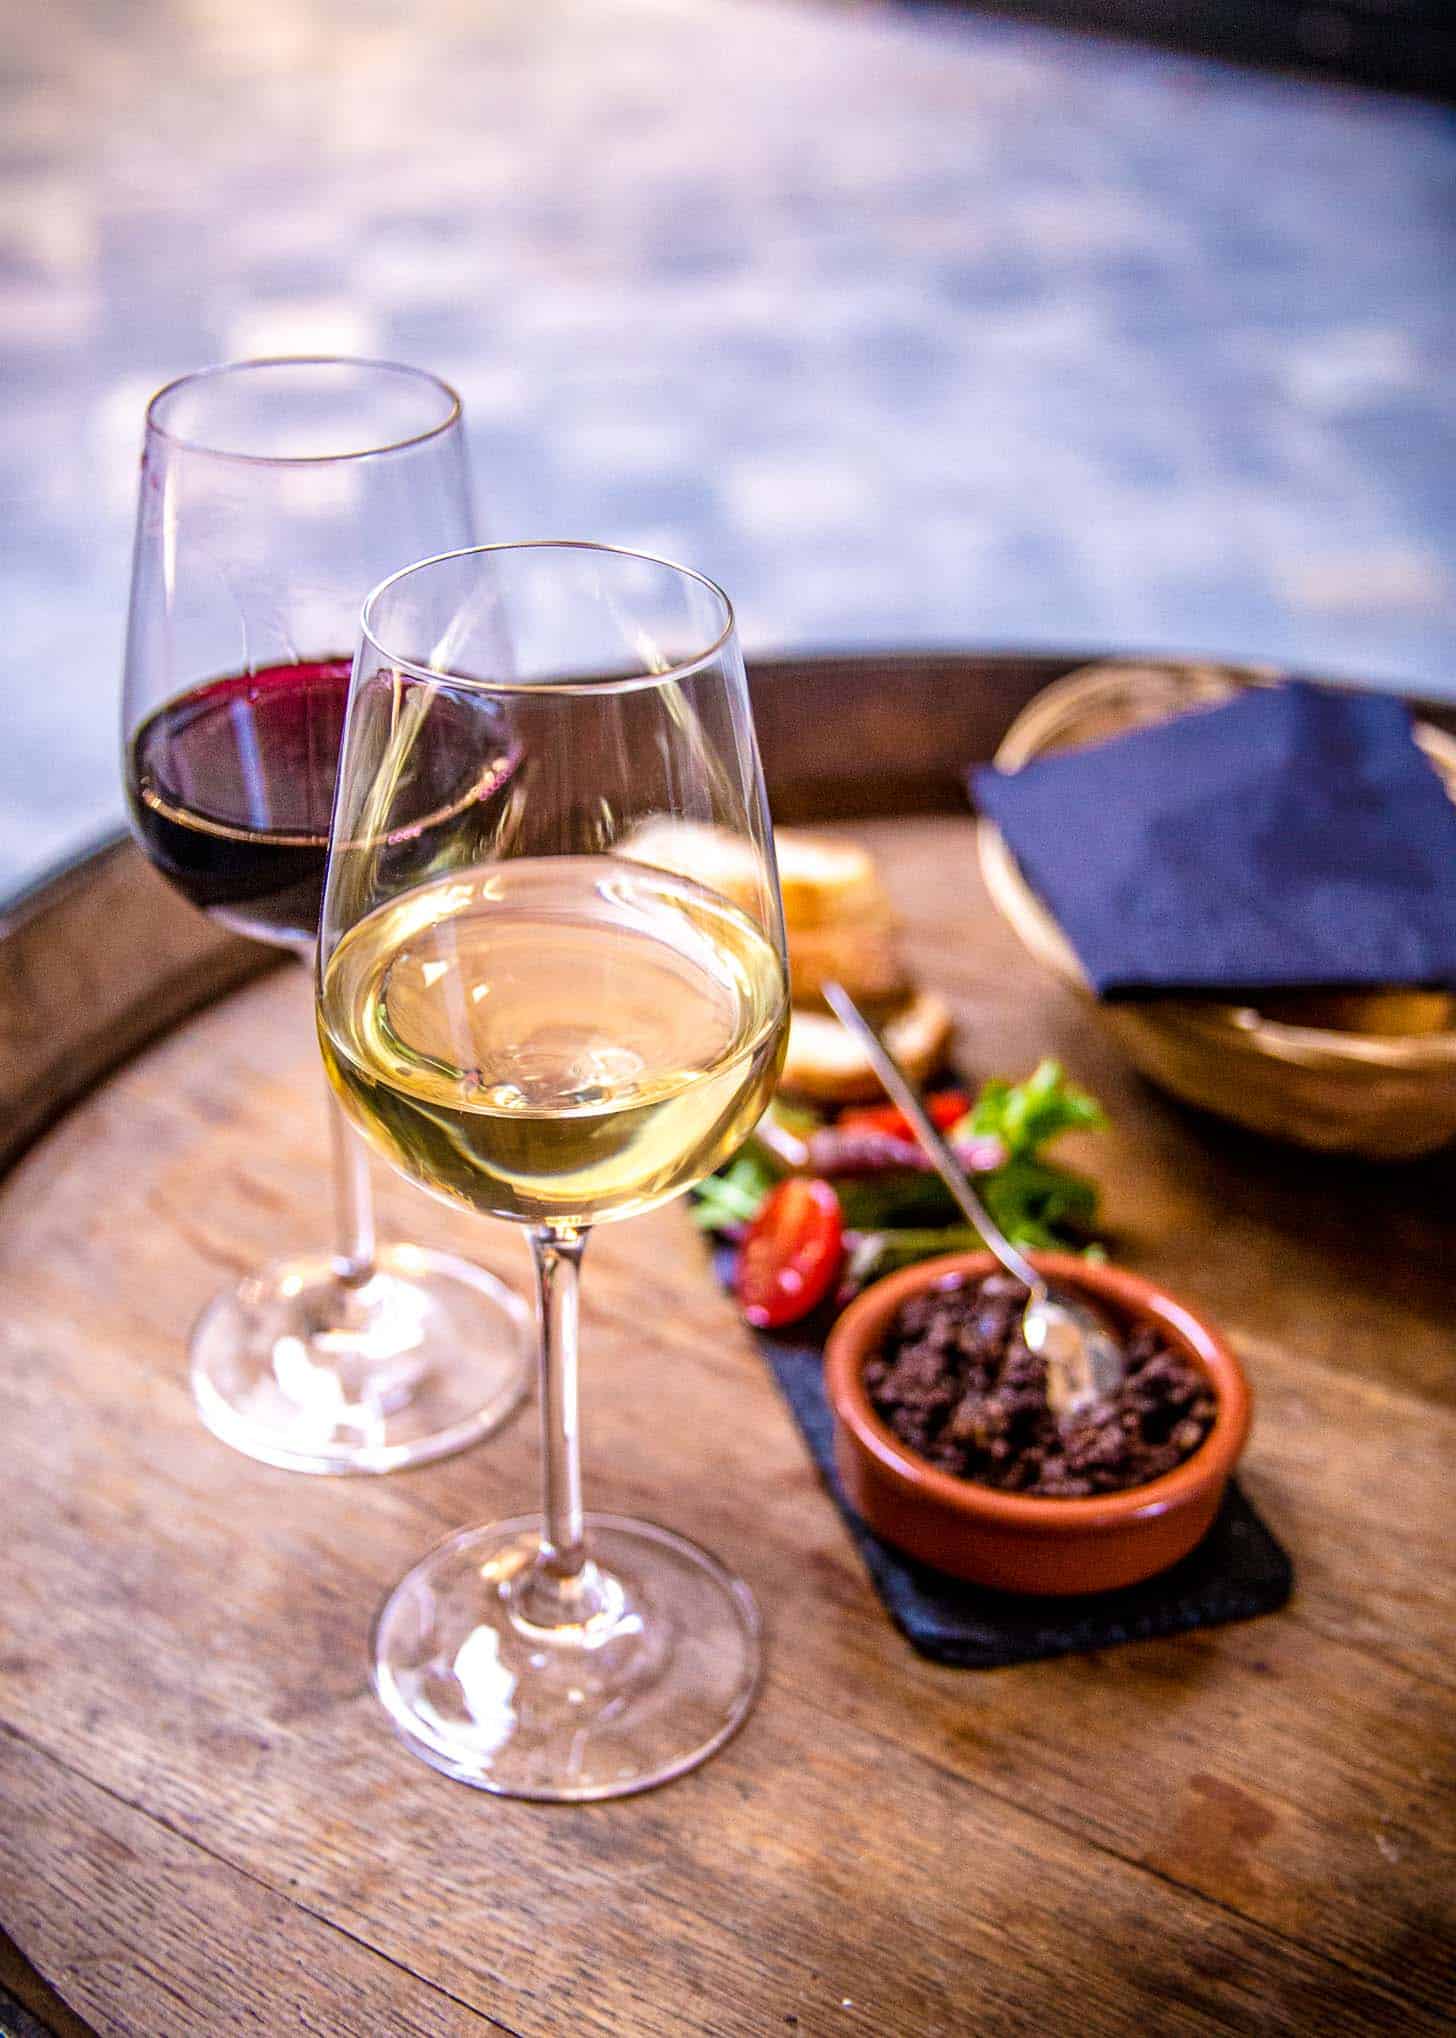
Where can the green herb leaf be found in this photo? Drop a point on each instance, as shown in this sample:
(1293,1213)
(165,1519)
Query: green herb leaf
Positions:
(1036,1203)
(883,1252)
(1026,1116)
(736,1195)
(882,1202)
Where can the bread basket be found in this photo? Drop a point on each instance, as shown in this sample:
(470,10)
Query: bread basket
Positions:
(1384,1097)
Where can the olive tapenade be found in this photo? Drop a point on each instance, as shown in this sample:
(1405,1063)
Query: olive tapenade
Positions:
(954,1381)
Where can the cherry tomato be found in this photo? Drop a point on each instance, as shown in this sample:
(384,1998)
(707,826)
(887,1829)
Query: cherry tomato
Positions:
(791,1254)
(946,1108)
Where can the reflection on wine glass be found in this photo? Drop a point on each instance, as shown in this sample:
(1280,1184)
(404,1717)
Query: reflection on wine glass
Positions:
(535,1008)
(273,495)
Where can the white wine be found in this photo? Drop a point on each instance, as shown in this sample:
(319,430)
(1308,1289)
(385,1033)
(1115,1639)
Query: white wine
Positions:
(558,1040)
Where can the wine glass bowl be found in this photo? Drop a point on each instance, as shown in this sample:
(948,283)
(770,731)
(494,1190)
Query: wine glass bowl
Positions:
(308,408)
(536,1002)
(628,1038)
(273,495)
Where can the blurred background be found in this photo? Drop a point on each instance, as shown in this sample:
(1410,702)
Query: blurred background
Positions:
(914,327)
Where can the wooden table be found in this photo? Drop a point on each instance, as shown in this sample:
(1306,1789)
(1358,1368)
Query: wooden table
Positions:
(207,1826)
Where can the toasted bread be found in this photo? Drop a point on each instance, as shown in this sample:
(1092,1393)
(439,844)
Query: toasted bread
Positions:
(713,857)
(840,925)
(864,957)
(826,882)
(836,912)
(826,1063)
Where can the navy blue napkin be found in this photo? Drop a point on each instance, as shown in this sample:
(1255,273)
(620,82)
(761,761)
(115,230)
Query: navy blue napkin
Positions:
(1294,837)
(1237,1572)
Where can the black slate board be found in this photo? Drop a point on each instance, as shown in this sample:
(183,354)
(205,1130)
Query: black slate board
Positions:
(1238,1571)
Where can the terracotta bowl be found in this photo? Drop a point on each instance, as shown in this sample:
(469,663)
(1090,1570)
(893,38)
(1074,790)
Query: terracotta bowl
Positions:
(1011,1541)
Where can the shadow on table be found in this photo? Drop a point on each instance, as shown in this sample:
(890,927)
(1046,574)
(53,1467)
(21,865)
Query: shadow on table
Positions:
(29,2006)
(1405,45)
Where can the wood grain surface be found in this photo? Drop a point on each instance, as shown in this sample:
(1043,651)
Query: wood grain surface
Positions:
(208,1828)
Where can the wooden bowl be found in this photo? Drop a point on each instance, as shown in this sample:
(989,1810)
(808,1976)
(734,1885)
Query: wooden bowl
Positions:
(1012,1541)
(1386,1097)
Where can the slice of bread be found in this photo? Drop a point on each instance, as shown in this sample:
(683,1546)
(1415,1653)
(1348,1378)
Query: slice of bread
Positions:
(840,924)
(865,958)
(827,882)
(828,1065)
(713,857)
(824,882)
(837,914)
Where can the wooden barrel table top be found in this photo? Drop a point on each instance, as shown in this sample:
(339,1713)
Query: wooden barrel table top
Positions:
(206,1825)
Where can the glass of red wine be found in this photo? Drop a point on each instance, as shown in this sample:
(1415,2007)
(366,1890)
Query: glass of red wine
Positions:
(274,495)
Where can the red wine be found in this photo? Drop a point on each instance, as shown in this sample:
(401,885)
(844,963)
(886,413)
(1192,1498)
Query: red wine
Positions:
(231,787)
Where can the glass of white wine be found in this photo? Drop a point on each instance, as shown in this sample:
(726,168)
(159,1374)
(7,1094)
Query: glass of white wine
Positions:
(561,1002)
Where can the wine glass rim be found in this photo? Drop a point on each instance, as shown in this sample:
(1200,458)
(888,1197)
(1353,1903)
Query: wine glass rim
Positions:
(453,414)
(629,682)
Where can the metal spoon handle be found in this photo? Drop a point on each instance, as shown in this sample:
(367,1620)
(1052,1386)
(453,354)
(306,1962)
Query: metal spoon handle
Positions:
(904,1093)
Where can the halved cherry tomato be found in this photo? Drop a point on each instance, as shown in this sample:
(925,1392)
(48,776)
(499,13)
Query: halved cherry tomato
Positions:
(946,1108)
(791,1254)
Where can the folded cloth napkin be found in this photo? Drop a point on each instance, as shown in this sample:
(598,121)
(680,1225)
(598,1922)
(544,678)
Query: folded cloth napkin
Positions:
(1294,837)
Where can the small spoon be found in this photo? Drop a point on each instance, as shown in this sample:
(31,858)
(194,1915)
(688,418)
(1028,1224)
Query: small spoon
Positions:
(1083,1359)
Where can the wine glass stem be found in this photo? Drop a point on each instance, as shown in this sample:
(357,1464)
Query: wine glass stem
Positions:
(557,1251)
(353,1200)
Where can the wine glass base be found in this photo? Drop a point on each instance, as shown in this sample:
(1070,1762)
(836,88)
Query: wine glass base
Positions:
(650,1689)
(315,1374)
